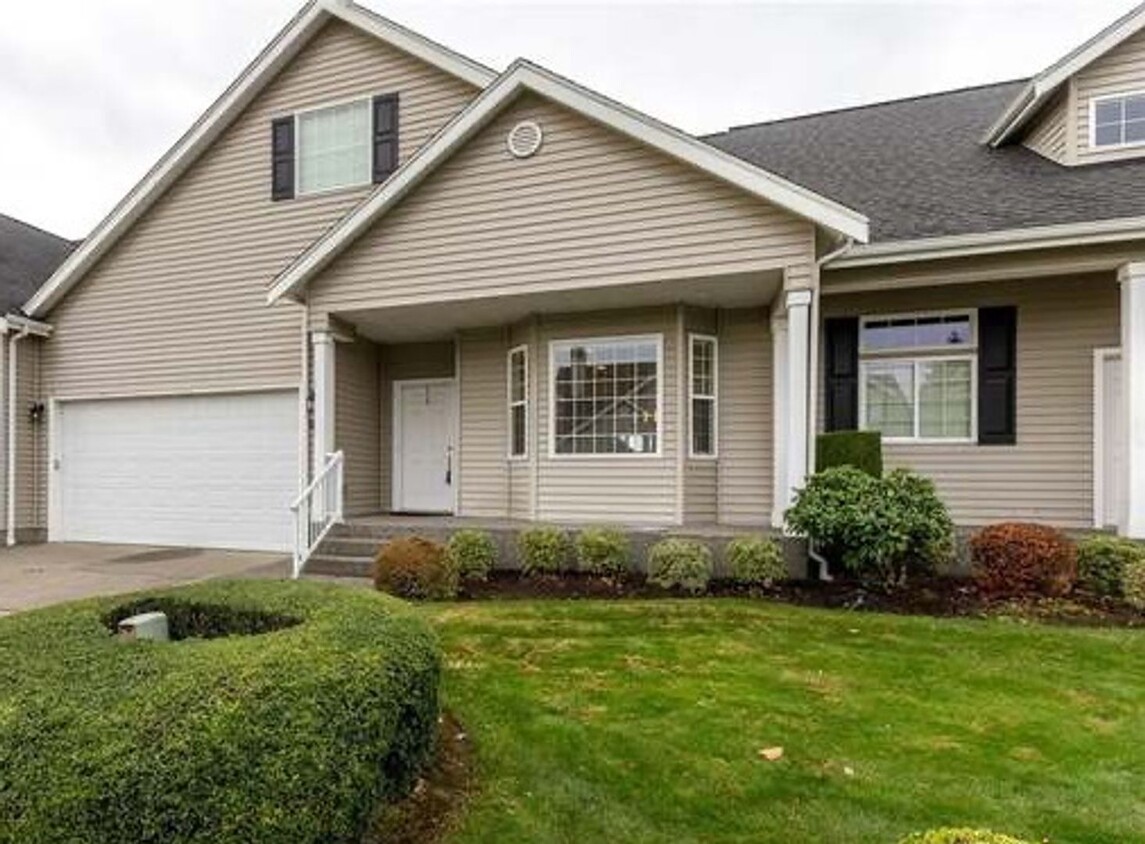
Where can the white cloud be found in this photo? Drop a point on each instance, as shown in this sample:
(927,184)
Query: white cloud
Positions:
(92,93)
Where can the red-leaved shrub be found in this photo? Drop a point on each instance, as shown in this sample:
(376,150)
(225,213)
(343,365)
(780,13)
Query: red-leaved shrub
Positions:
(1015,559)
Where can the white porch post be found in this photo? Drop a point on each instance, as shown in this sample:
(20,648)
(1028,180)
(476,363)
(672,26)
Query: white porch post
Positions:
(791,337)
(322,342)
(1132,278)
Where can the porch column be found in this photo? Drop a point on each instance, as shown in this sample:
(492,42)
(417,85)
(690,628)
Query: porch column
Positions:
(1132,278)
(791,337)
(322,343)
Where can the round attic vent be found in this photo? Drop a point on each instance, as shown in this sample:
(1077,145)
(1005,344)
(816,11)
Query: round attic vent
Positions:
(525,138)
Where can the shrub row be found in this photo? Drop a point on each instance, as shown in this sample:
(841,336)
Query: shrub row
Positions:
(1016,559)
(288,711)
(421,569)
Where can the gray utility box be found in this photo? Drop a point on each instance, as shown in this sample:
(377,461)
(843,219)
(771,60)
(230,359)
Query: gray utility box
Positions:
(148,625)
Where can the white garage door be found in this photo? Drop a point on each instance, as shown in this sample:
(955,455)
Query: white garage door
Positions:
(205,471)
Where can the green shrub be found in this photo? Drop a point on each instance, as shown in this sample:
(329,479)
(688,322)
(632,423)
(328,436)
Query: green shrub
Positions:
(680,563)
(473,553)
(416,568)
(755,560)
(860,449)
(542,550)
(295,734)
(1101,563)
(603,550)
(1015,559)
(960,836)
(879,528)
(1134,584)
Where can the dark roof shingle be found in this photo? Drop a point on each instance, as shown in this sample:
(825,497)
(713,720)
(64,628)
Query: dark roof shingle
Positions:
(917,167)
(28,256)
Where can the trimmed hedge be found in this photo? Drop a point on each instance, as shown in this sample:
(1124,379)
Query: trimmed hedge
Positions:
(861,449)
(1102,562)
(473,553)
(603,551)
(755,560)
(294,734)
(680,563)
(543,550)
(961,836)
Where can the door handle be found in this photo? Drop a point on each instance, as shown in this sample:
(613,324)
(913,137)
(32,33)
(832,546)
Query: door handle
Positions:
(449,465)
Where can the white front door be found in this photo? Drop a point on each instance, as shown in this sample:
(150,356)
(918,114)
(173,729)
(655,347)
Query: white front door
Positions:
(424,446)
(1111,441)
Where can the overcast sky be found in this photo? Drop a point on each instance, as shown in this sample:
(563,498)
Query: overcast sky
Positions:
(92,92)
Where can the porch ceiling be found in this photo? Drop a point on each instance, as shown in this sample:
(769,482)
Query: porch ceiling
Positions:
(405,324)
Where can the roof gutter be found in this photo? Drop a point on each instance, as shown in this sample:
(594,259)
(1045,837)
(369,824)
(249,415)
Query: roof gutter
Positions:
(991,243)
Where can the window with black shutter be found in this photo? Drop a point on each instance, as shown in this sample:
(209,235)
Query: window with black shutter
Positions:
(841,373)
(997,376)
(385,136)
(282,158)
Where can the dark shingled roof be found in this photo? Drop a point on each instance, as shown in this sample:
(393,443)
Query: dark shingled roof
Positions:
(28,255)
(917,167)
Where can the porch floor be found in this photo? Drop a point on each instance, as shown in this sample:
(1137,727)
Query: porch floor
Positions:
(408,521)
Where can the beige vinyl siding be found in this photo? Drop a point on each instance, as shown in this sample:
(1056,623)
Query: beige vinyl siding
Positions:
(1048,475)
(520,489)
(357,423)
(591,208)
(639,489)
(1120,71)
(701,505)
(1047,135)
(31,442)
(402,363)
(178,305)
(484,446)
(745,424)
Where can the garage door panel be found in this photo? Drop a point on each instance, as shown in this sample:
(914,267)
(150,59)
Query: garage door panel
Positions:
(210,471)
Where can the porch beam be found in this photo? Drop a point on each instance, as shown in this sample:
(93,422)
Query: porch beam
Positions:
(1132,278)
(325,353)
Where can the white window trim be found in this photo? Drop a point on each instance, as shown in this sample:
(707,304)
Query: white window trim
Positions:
(299,193)
(714,397)
(658,339)
(522,350)
(1093,103)
(907,351)
(914,355)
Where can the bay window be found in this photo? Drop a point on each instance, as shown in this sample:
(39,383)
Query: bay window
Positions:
(917,376)
(606,396)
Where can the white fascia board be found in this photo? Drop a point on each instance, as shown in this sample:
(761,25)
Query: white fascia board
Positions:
(1034,95)
(285,46)
(22,325)
(996,242)
(523,76)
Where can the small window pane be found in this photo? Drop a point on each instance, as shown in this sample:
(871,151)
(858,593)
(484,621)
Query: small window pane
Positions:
(1108,111)
(923,332)
(1135,131)
(1107,135)
(703,426)
(889,390)
(518,402)
(1135,108)
(944,399)
(334,147)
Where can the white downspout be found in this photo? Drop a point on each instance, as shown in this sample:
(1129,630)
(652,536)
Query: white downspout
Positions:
(12,418)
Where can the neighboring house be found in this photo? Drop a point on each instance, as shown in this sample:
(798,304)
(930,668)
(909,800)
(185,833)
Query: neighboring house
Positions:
(506,296)
(28,256)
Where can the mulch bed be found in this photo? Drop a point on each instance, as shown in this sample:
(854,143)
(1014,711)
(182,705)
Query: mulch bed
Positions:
(943,597)
(438,798)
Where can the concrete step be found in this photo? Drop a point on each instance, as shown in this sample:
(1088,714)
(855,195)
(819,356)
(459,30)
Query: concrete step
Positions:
(365,547)
(333,565)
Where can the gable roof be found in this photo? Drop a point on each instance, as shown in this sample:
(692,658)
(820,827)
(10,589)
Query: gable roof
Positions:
(285,46)
(28,255)
(526,76)
(1029,100)
(918,169)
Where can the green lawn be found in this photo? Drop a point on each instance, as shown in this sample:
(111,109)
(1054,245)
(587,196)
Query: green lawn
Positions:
(642,721)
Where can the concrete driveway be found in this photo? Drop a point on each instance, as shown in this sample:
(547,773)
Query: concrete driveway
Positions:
(38,575)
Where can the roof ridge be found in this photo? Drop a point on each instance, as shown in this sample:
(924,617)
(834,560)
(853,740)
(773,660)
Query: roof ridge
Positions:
(35,228)
(875,104)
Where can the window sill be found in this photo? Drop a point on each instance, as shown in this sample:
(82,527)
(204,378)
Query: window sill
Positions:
(572,458)
(318,194)
(929,441)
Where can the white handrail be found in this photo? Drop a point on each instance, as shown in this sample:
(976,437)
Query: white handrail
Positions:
(316,510)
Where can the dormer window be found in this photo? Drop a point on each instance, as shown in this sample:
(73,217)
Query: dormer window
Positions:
(1117,120)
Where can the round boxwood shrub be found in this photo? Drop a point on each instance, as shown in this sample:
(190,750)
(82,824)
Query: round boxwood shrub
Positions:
(1014,559)
(473,553)
(961,836)
(755,560)
(1101,563)
(677,563)
(295,733)
(417,568)
(542,549)
(879,529)
(603,550)
(1133,584)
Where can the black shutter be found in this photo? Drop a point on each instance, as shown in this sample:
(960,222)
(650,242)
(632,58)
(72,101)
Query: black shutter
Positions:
(997,375)
(841,373)
(282,158)
(385,136)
